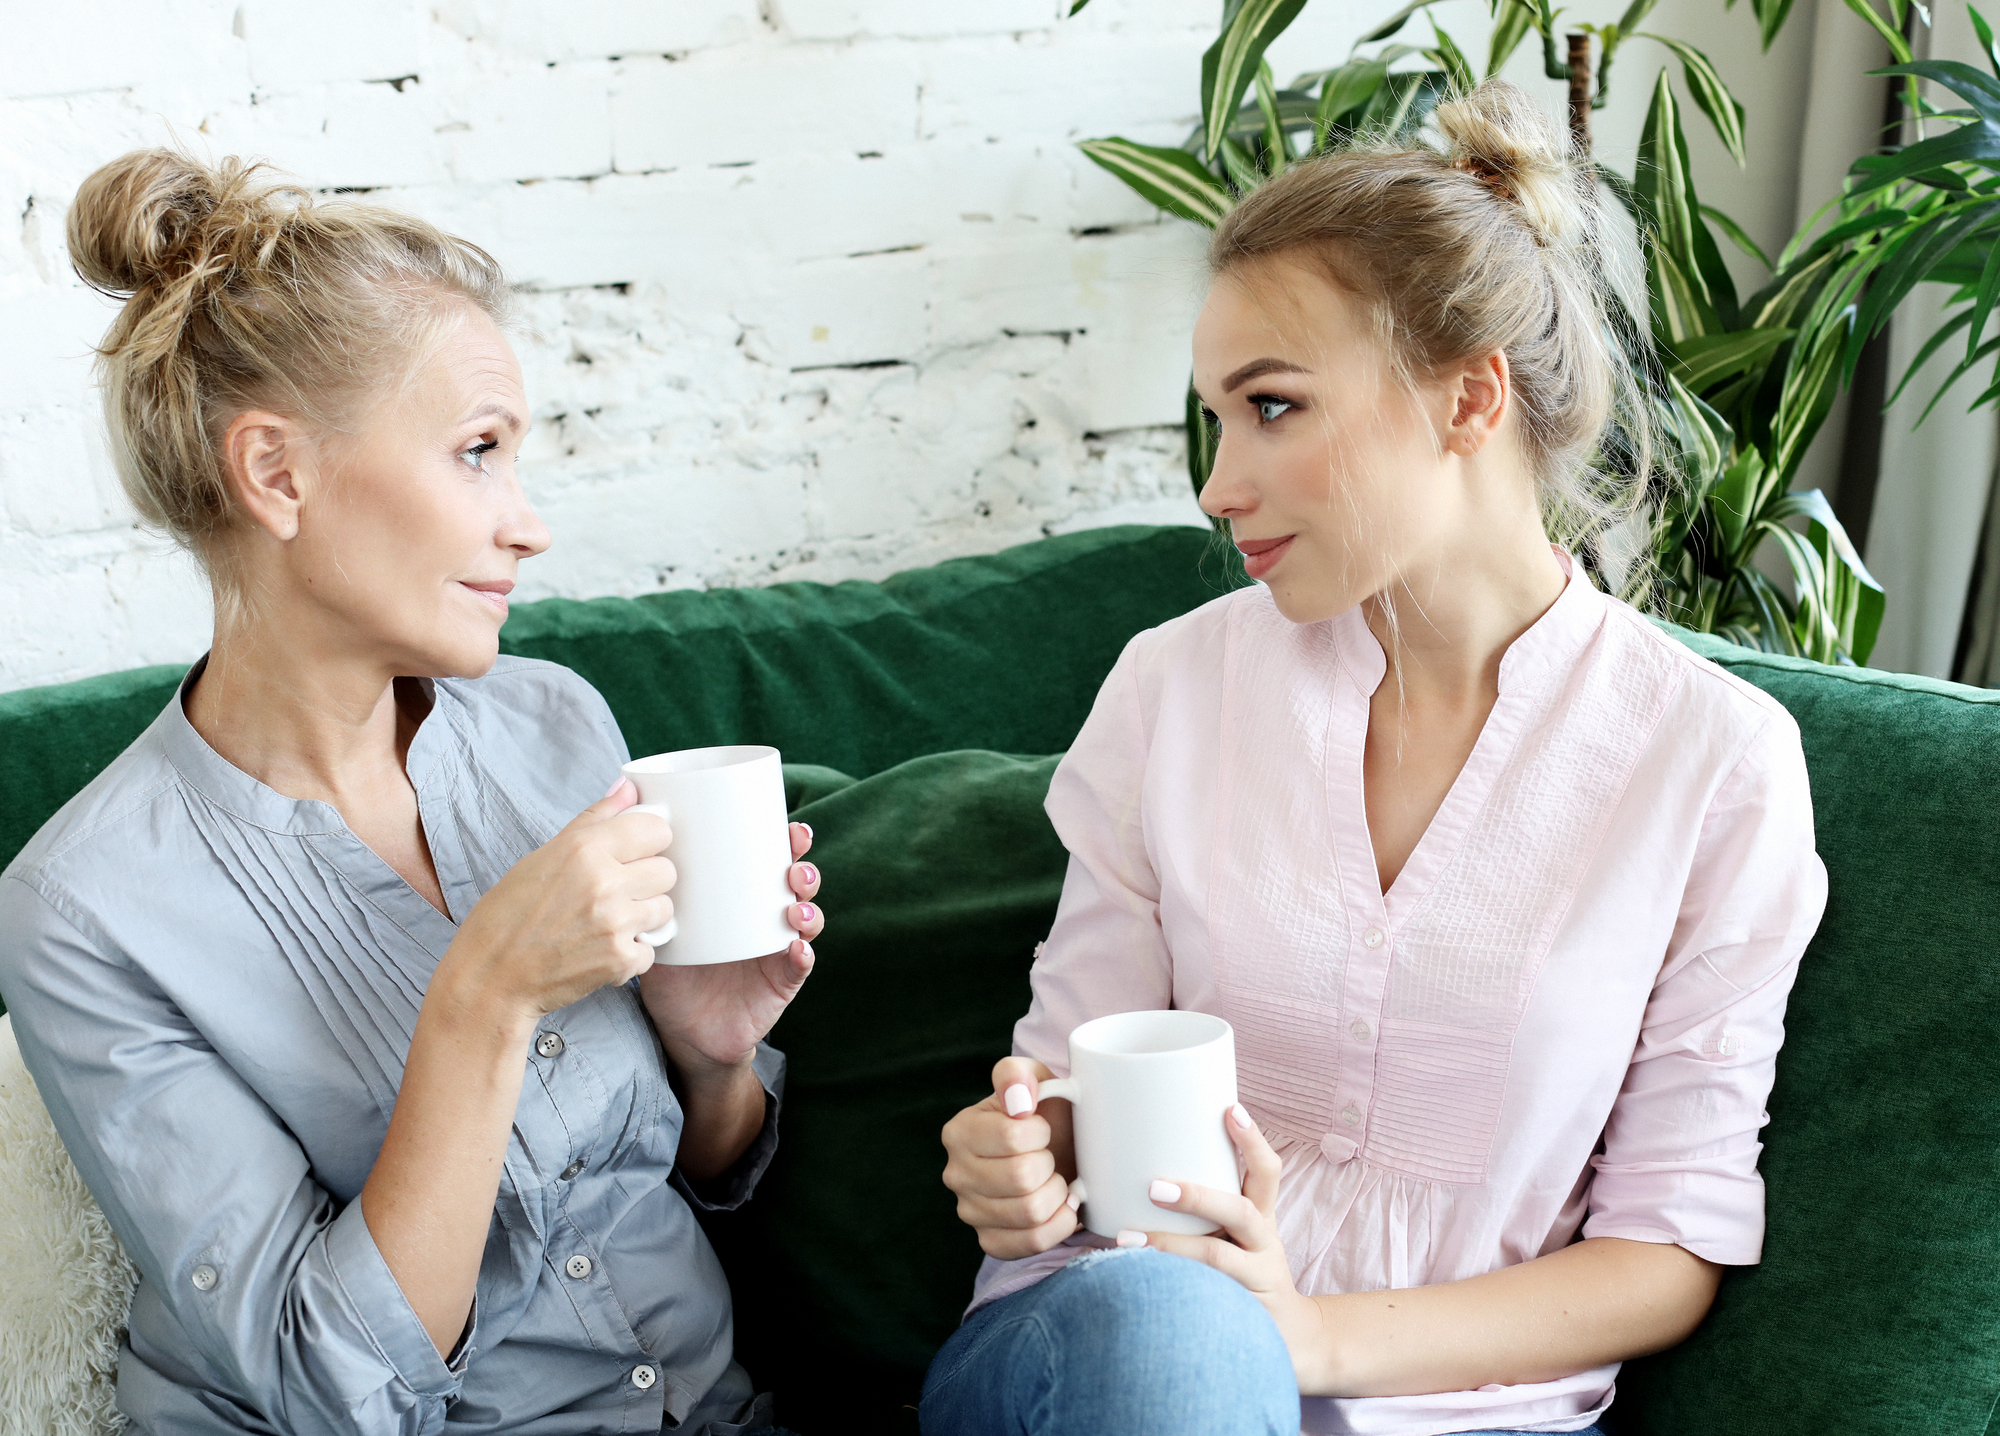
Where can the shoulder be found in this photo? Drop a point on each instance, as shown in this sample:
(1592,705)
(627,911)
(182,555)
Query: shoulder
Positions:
(1736,720)
(532,702)
(124,812)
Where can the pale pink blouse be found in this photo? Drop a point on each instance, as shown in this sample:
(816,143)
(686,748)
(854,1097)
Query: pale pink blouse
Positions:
(1561,1020)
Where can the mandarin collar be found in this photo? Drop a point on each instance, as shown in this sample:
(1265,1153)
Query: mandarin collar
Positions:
(235,792)
(1547,645)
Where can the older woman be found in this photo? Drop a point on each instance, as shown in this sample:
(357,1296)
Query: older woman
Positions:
(332,981)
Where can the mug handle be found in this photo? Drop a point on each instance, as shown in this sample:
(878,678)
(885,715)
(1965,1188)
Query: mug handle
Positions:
(659,936)
(1063,1087)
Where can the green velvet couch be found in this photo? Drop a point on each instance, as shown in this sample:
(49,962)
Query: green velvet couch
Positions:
(921,718)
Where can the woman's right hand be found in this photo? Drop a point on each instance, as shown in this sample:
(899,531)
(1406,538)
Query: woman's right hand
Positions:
(566,918)
(1006,1159)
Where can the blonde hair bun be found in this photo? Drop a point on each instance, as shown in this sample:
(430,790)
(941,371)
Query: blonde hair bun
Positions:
(1497,133)
(154,217)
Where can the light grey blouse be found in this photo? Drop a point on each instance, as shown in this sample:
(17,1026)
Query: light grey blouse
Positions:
(215,986)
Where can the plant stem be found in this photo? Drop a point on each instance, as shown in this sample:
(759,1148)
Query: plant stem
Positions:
(1579,93)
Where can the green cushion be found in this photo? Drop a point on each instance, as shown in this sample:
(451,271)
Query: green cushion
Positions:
(999,652)
(849,1265)
(1877,1307)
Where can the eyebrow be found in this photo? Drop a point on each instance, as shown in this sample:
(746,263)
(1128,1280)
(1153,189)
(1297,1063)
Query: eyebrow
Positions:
(499,411)
(1257,369)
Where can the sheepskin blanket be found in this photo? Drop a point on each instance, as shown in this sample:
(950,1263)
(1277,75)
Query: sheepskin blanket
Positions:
(65,1282)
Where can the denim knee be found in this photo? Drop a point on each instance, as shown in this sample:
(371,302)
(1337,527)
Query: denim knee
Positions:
(1132,1340)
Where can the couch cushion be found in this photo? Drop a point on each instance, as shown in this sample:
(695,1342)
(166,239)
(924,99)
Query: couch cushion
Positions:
(849,1265)
(1004,652)
(1877,1307)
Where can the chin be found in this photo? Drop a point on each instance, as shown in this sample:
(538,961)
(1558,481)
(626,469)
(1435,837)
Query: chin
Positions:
(1304,606)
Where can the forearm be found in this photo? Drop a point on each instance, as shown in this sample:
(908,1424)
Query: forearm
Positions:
(722,1110)
(428,1201)
(1598,1301)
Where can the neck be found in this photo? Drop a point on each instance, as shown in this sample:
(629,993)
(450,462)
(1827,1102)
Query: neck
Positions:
(307,723)
(1456,613)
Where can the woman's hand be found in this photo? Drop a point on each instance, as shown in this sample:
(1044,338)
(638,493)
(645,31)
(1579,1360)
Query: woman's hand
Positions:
(1251,1252)
(1006,1160)
(711,1018)
(566,918)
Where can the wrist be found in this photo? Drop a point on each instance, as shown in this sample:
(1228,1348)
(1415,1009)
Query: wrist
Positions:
(1320,1360)
(466,999)
(698,1072)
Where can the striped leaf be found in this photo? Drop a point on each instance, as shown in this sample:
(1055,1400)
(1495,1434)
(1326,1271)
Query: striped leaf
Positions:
(1770,18)
(1230,64)
(1510,26)
(1738,236)
(1394,23)
(1705,84)
(1709,359)
(1450,59)
(1348,89)
(1985,33)
(1172,179)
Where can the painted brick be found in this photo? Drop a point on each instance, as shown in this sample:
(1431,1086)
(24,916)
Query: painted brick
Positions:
(849,19)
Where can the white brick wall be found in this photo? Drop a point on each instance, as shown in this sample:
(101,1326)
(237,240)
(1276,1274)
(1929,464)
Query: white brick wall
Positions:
(817,288)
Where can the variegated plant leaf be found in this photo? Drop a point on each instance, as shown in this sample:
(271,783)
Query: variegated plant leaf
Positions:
(1172,179)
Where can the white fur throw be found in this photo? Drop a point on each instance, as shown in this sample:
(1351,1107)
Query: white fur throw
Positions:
(65,1282)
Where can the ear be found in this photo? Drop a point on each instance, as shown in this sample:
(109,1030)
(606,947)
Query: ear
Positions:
(269,468)
(1482,393)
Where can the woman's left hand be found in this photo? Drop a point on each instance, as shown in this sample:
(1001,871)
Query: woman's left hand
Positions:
(1247,1248)
(715,1015)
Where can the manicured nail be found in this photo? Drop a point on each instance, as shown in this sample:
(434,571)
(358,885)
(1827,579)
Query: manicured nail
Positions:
(616,783)
(1130,1238)
(809,872)
(1073,1201)
(1018,1099)
(1163,1192)
(1240,1115)
(805,950)
(807,912)
(809,831)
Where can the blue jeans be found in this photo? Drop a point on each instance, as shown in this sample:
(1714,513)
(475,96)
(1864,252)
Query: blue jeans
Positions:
(1131,1340)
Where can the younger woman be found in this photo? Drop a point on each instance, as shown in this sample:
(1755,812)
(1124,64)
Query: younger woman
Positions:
(1502,889)
(332,980)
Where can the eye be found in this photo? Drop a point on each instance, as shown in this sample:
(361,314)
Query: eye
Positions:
(1270,406)
(1208,418)
(474,456)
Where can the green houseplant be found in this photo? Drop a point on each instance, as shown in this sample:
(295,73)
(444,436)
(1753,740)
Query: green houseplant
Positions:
(1739,386)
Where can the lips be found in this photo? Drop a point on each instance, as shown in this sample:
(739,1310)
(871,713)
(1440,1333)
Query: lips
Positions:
(1260,556)
(493,591)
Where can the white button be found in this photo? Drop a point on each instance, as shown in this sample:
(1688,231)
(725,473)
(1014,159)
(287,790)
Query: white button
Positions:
(643,1377)
(1373,937)
(578,1266)
(1350,1114)
(1360,1031)
(1727,1046)
(203,1277)
(549,1044)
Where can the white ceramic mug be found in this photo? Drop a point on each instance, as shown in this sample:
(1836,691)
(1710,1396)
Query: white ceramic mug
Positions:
(732,847)
(1151,1091)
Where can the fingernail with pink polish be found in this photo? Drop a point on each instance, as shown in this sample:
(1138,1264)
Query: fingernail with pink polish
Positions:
(805,950)
(807,912)
(809,872)
(1018,1099)
(1240,1115)
(616,783)
(1165,1193)
(1130,1238)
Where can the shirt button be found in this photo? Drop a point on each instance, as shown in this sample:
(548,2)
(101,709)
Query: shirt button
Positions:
(569,1172)
(549,1044)
(1374,937)
(1350,1114)
(204,1277)
(1360,1031)
(643,1377)
(578,1266)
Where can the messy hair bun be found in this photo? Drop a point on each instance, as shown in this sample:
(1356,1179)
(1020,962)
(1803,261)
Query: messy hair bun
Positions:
(1491,242)
(245,292)
(1497,134)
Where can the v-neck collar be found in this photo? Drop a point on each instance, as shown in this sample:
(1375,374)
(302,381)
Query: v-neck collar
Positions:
(1546,649)
(434,756)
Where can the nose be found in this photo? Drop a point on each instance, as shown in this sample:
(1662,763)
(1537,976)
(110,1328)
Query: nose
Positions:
(1228,494)
(521,528)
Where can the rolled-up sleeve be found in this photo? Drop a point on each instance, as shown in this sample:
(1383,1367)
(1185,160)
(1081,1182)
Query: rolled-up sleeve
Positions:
(732,1188)
(1106,951)
(1679,1158)
(284,1297)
